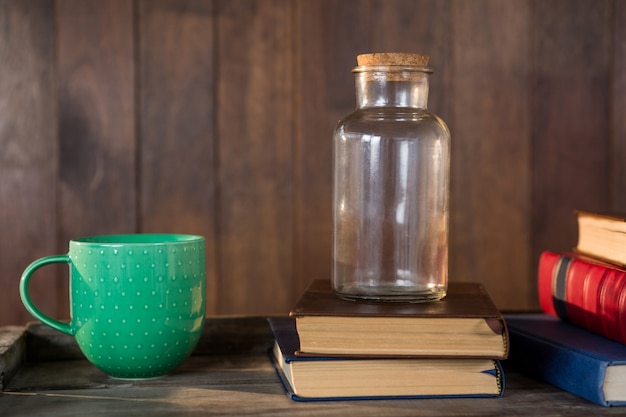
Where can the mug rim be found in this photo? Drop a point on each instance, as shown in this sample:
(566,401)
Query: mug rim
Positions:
(139,239)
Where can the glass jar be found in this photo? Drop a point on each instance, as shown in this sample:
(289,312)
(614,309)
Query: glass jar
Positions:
(391,186)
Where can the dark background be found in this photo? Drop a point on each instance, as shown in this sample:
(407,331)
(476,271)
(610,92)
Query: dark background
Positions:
(215,118)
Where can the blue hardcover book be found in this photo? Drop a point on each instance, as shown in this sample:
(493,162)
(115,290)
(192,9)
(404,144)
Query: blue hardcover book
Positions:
(569,357)
(315,378)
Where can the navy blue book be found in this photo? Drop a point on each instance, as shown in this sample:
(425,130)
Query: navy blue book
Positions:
(569,357)
(314,378)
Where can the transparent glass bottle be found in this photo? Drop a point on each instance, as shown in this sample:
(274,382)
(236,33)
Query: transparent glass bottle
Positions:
(391,186)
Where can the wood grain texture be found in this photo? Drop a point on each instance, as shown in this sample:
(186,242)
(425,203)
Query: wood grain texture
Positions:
(96,116)
(491,150)
(240,381)
(420,26)
(28,163)
(330,35)
(215,117)
(255,130)
(617,145)
(95,69)
(177,165)
(12,353)
(571,119)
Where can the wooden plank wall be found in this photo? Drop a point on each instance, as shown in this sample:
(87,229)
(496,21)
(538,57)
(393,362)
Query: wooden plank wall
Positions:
(214,117)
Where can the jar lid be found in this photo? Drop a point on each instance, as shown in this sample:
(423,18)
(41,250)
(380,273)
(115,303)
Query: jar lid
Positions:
(392,58)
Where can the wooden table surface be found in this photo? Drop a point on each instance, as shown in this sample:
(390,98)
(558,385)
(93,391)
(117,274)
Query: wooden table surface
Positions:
(229,374)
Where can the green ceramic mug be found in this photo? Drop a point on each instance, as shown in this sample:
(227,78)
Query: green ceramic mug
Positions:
(137,301)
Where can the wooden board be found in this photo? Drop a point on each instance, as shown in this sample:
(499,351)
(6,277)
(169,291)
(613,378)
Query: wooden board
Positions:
(177,162)
(230,374)
(422,26)
(215,117)
(12,353)
(28,151)
(330,35)
(618,109)
(254,123)
(491,179)
(97,191)
(571,118)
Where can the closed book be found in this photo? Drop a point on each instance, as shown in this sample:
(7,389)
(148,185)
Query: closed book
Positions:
(602,236)
(466,323)
(585,292)
(341,378)
(569,357)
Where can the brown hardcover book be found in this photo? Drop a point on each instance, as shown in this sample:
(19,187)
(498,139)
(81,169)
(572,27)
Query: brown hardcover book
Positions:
(602,236)
(466,323)
(324,378)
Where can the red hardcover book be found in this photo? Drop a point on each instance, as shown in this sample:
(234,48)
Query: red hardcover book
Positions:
(585,292)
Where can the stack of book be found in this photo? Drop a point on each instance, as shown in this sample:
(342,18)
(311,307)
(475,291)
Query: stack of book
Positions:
(331,349)
(578,342)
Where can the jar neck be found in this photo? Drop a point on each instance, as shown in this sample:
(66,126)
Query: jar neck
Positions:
(385,86)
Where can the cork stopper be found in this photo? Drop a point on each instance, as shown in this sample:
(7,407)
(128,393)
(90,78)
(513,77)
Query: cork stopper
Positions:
(395,58)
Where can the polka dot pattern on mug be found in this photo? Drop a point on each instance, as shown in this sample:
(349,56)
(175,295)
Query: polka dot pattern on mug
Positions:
(138,310)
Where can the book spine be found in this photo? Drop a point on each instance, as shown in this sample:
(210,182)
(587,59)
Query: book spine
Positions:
(579,374)
(589,295)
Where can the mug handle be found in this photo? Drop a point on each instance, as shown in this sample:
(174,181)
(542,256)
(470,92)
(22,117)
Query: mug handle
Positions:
(28,272)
